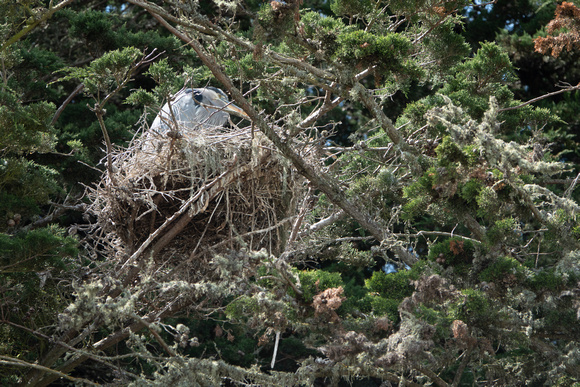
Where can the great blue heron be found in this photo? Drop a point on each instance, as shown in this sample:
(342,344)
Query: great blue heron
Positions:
(194,109)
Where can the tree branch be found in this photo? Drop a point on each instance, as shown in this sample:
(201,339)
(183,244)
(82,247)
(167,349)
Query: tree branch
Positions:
(47,15)
(376,110)
(541,97)
(6,360)
(326,185)
(61,108)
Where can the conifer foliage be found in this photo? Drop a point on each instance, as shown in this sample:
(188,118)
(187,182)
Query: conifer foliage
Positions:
(395,210)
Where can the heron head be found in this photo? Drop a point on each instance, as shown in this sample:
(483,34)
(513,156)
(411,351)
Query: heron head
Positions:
(212,96)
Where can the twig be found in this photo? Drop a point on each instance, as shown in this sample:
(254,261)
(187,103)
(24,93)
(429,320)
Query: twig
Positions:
(6,360)
(323,223)
(541,97)
(538,251)
(99,108)
(100,112)
(357,148)
(204,26)
(4,75)
(570,189)
(427,32)
(98,358)
(308,200)
(328,186)
(325,108)
(529,202)
(385,122)
(29,27)
(441,233)
(159,339)
(61,108)
(275,349)
(461,368)
(256,232)
(52,217)
(184,207)
(432,375)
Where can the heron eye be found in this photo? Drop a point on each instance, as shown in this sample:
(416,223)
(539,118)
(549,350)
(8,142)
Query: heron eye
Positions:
(198,96)
(223,97)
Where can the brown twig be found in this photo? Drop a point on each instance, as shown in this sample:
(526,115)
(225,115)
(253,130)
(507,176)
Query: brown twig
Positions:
(31,26)
(541,97)
(68,99)
(54,215)
(99,109)
(431,375)
(159,339)
(461,368)
(7,360)
(328,186)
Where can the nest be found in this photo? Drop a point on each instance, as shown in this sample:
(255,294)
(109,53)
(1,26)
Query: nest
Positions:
(191,197)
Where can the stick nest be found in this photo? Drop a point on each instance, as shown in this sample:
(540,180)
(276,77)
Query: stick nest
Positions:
(193,196)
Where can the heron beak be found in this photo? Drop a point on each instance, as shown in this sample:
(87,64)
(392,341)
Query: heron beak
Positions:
(233,109)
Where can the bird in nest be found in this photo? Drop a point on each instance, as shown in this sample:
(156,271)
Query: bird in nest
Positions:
(194,109)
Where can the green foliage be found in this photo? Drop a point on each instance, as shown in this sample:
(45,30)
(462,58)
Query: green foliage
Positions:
(37,65)
(275,23)
(106,73)
(355,257)
(501,267)
(24,187)
(393,285)
(249,68)
(418,194)
(25,128)
(162,73)
(452,252)
(470,190)
(36,250)
(489,65)
(488,202)
(141,97)
(473,308)
(350,7)
(387,291)
(445,46)
(380,190)
(503,231)
(32,265)
(94,27)
(239,351)
(448,152)
(437,317)
(107,31)
(324,30)
(385,51)
(546,279)
(316,281)
(382,306)
(241,308)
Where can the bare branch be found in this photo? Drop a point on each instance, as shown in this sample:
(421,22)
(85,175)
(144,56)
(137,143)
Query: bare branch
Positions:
(6,360)
(541,97)
(328,186)
(323,223)
(29,27)
(376,110)
(61,108)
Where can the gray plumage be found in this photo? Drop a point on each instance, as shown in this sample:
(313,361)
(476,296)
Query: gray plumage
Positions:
(194,109)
